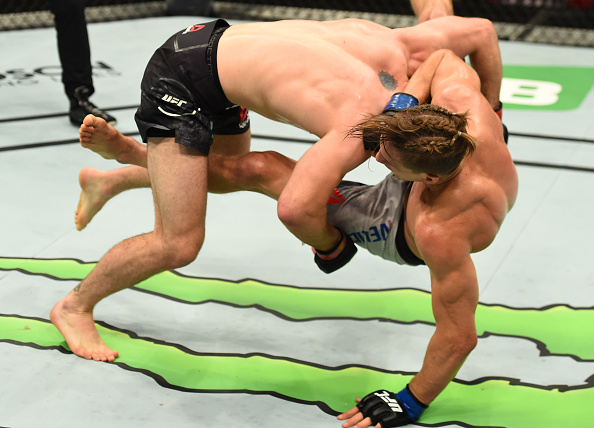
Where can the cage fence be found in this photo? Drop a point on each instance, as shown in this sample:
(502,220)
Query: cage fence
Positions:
(561,22)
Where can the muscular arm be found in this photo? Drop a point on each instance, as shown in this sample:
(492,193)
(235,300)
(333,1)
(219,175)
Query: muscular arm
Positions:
(477,39)
(302,204)
(445,243)
(447,81)
(486,61)
(454,298)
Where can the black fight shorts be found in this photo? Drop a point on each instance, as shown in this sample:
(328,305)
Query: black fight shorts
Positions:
(181,95)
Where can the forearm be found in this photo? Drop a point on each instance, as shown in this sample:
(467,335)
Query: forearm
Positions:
(312,231)
(486,61)
(303,211)
(302,204)
(454,298)
(444,357)
(475,38)
(421,81)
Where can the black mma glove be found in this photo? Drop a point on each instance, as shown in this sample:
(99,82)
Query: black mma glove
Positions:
(337,257)
(391,410)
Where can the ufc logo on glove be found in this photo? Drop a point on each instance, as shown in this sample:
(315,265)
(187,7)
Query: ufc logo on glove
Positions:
(385,395)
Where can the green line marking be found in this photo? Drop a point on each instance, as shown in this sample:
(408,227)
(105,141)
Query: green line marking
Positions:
(560,328)
(497,402)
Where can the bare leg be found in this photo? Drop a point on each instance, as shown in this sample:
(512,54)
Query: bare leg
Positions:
(96,135)
(261,172)
(98,187)
(231,145)
(231,168)
(180,205)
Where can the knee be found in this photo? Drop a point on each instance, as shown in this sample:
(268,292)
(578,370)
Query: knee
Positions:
(267,172)
(178,252)
(254,167)
(247,172)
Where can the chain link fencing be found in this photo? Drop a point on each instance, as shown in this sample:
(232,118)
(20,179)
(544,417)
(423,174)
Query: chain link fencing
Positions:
(560,22)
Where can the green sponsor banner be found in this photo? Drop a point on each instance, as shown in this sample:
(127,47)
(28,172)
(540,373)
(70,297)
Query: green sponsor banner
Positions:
(545,88)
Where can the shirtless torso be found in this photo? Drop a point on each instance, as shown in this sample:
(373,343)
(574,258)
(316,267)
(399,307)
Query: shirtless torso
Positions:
(335,75)
(322,76)
(325,77)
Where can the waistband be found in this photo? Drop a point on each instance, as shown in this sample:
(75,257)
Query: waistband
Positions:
(195,63)
(401,245)
(211,62)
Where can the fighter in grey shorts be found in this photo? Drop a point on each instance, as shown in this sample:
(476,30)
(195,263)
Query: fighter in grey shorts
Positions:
(367,215)
(181,95)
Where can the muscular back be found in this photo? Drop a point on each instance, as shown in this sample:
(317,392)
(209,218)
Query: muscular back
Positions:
(311,74)
(324,76)
(473,204)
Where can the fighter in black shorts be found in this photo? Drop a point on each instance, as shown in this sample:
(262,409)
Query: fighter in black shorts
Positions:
(181,95)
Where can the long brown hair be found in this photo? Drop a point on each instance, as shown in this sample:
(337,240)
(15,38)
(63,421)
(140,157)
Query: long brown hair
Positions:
(429,138)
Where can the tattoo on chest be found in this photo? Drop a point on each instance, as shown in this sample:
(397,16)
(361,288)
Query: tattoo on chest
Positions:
(387,80)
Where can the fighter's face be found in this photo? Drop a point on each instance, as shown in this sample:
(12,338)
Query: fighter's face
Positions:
(391,158)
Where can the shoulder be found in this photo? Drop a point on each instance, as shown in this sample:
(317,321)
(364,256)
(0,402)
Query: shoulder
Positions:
(441,246)
(467,223)
(457,83)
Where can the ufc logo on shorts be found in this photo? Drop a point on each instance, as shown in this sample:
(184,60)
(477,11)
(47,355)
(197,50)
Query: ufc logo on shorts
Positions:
(390,401)
(173,100)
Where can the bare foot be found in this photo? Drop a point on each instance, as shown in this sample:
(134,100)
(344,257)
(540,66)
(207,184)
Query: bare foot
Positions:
(96,135)
(82,337)
(95,192)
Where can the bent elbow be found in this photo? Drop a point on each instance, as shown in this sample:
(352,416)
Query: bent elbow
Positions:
(489,29)
(482,28)
(289,212)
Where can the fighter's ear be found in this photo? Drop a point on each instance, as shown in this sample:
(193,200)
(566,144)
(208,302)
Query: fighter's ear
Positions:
(431,179)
